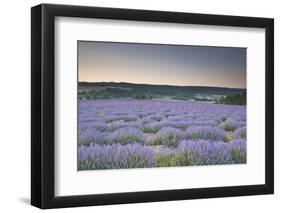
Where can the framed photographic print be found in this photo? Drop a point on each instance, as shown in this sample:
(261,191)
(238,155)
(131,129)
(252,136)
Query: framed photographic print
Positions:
(139,106)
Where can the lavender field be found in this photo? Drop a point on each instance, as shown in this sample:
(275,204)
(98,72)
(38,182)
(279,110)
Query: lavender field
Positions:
(128,133)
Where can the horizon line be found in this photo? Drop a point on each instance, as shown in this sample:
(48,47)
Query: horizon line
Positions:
(161,84)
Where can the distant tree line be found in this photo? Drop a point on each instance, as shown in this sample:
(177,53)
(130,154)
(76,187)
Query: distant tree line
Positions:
(112,90)
(238,99)
(143,96)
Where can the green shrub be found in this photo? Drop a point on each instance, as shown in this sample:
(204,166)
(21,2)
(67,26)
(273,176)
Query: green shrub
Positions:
(172,159)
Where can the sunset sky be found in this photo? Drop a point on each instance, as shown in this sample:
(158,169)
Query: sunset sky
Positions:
(162,64)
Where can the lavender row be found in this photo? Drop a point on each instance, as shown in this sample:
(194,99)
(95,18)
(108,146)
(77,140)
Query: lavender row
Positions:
(167,136)
(152,116)
(135,155)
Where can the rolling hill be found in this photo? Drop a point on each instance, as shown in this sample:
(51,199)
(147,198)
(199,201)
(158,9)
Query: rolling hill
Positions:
(110,90)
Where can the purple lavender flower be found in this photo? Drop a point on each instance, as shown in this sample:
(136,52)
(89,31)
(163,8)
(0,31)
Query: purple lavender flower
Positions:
(205,153)
(169,136)
(205,133)
(147,120)
(152,127)
(122,124)
(125,118)
(114,156)
(230,124)
(240,133)
(134,156)
(238,150)
(180,124)
(204,123)
(127,135)
(89,136)
(95,157)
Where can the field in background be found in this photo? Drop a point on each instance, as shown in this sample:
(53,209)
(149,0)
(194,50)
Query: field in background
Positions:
(110,90)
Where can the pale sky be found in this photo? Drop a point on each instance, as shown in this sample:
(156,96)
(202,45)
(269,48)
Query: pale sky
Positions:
(162,64)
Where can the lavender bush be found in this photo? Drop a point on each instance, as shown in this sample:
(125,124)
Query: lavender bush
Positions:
(152,127)
(114,156)
(205,153)
(205,133)
(188,153)
(127,135)
(169,136)
(239,150)
(89,136)
(240,133)
(230,124)
(180,124)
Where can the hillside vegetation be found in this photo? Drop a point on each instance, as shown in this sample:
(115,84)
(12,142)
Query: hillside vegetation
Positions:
(237,99)
(112,90)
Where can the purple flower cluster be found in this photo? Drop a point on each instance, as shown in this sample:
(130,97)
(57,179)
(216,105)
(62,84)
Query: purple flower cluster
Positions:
(127,135)
(230,124)
(180,124)
(188,153)
(89,136)
(114,156)
(122,124)
(205,133)
(204,123)
(152,127)
(205,153)
(125,118)
(240,133)
(169,136)
(121,136)
(238,150)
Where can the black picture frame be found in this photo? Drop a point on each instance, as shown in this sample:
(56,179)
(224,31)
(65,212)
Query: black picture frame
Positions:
(43,105)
